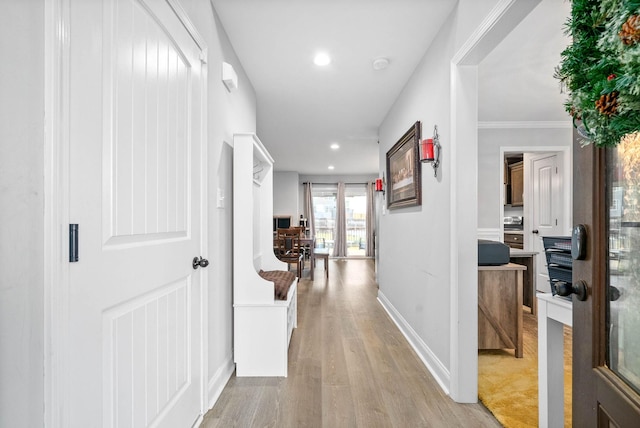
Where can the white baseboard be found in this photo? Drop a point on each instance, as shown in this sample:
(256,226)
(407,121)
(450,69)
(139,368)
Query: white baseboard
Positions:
(218,381)
(490,234)
(428,358)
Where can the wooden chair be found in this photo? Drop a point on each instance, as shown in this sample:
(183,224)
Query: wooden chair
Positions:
(288,248)
(305,248)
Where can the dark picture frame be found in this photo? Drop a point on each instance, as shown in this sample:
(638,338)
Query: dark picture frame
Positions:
(404,172)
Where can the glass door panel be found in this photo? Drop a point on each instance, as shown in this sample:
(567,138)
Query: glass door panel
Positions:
(623,297)
(324,213)
(356,213)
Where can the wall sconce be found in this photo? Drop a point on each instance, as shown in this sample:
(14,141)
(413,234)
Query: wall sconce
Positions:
(380,184)
(430,151)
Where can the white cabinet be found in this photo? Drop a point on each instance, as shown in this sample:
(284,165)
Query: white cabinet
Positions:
(262,324)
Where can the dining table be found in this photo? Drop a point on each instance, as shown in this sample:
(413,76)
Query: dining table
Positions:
(306,242)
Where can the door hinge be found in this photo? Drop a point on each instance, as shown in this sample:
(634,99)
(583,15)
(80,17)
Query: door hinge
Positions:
(556,222)
(73,243)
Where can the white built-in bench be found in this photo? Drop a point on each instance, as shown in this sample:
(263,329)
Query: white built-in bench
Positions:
(263,324)
(262,334)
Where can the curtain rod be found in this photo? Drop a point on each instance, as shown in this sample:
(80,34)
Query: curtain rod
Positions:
(313,182)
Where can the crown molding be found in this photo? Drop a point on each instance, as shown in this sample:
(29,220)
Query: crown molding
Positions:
(559,124)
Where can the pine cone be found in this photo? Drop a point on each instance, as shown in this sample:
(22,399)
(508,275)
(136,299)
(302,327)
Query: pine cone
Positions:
(608,103)
(630,32)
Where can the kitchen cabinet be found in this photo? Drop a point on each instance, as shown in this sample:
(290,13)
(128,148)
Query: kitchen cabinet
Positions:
(514,240)
(516,180)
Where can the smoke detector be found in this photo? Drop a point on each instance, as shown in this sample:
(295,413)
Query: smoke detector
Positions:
(380,63)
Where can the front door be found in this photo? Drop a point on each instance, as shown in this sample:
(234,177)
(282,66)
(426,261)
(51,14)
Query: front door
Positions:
(546,209)
(136,88)
(606,326)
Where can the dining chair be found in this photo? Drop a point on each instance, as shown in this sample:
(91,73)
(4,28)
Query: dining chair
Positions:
(288,248)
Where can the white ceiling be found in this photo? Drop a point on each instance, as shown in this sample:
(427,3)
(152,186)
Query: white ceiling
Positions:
(516,79)
(302,108)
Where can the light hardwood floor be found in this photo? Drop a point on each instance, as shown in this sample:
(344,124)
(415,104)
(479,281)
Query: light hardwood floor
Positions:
(349,366)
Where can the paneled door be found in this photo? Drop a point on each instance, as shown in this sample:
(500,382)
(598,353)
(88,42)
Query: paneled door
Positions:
(606,324)
(546,208)
(135,315)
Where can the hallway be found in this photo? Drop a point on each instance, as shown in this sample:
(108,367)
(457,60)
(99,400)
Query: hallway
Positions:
(349,367)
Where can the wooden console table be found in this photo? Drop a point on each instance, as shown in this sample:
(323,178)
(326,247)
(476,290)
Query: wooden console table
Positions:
(528,259)
(553,314)
(500,307)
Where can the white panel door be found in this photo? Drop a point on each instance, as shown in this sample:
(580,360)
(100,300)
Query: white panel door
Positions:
(136,89)
(547,210)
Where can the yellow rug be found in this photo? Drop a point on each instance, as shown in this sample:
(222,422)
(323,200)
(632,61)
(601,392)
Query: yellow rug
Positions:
(508,386)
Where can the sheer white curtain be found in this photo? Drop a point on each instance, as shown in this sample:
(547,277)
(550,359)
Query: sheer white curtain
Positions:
(340,246)
(308,208)
(370,220)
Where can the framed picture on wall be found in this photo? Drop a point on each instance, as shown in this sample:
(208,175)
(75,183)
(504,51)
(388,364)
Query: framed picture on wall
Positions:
(403,170)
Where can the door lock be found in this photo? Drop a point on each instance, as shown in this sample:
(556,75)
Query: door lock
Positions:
(579,242)
(199,262)
(579,289)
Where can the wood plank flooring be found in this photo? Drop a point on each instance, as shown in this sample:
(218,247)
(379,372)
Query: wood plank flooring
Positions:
(349,366)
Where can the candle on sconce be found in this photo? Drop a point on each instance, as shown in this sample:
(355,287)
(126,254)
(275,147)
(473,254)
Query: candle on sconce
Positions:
(378,184)
(427,150)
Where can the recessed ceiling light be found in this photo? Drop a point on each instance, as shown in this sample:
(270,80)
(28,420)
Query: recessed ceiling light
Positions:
(322,59)
(335,146)
(380,63)
(330,166)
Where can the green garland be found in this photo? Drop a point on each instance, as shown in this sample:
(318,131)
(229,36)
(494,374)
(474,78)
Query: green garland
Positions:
(601,69)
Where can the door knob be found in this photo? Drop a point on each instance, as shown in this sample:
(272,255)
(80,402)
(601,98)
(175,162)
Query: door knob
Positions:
(614,293)
(535,231)
(566,289)
(200,262)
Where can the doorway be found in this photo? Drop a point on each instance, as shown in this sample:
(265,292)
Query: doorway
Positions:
(535,176)
(545,206)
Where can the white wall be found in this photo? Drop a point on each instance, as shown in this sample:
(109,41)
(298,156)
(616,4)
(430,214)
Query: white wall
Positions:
(413,272)
(21,213)
(490,163)
(416,270)
(286,195)
(22,149)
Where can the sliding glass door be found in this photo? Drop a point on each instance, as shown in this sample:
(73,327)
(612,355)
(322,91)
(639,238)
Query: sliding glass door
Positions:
(324,211)
(356,213)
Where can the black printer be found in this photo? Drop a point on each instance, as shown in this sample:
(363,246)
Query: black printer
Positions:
(492,253)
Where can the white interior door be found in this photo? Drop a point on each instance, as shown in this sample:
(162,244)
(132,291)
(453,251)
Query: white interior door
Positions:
(136,136)
(546,209)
